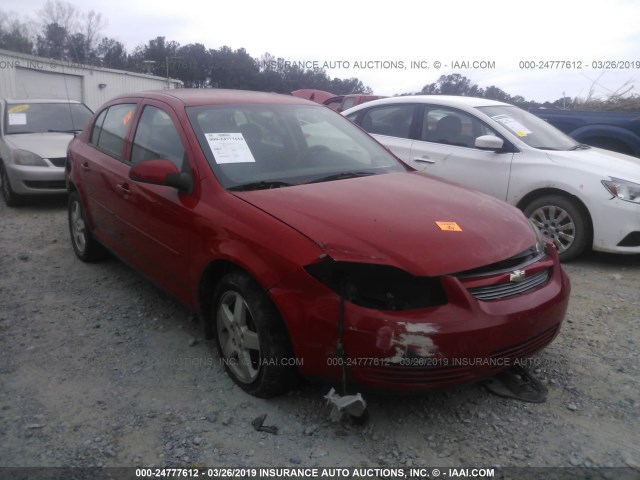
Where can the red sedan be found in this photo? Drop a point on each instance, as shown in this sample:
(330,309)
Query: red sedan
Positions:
(308,248)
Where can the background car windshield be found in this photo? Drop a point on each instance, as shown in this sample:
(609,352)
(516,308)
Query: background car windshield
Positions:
(532,130)
(286,144)
(45,117)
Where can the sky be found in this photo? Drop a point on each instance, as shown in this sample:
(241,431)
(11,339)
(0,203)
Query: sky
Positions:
(540,50)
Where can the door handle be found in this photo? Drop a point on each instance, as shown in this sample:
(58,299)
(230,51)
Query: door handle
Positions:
(124,189)
(84,166)
(424,160)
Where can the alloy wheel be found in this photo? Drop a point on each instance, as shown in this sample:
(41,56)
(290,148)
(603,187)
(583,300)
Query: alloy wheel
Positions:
(556,224)
(238,337)
(78,227)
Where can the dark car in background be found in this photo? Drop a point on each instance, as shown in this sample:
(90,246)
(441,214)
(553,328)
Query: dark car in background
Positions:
(617,131)
(308,248)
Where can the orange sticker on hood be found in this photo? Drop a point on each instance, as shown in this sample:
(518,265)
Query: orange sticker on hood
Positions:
(449,226)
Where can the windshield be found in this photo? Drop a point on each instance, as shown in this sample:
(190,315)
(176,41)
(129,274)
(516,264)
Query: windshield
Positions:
(269,146)
(45,117)
(532,130)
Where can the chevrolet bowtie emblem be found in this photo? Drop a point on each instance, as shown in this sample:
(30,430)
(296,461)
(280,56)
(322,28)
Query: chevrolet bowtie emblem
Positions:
(517,276)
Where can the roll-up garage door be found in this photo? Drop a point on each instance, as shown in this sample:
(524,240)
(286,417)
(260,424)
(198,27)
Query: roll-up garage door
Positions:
(38,84)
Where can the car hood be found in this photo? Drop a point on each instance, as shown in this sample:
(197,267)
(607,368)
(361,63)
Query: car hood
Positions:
(46,145)
(391,219)
(601,162)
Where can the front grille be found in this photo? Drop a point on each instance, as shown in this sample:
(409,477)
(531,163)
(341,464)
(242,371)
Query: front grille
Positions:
(58,162)
(528,347)
(46,184)
(509,289)
(520,260)
(503,279)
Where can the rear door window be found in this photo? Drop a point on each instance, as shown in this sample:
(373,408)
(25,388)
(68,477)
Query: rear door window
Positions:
(111,128)
(390,120)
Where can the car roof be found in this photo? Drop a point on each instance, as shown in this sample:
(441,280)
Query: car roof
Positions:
(445,100)
(39,100)
(215,96)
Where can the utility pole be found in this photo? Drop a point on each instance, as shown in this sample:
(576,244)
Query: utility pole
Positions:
(148,65)
(167,63)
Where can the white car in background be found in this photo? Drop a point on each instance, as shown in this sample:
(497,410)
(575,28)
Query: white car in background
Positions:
(577,195)
(34,135)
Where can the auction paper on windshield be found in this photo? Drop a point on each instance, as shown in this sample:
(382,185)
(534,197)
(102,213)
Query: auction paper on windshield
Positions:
(229,148)
(513,125)
(17,119)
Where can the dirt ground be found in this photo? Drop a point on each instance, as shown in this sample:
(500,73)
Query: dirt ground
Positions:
(99,368)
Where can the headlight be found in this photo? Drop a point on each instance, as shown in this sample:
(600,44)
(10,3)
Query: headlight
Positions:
(26,158)
(378,287)
(623,189)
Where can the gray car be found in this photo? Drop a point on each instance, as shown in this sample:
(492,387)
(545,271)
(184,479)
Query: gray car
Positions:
(34,135)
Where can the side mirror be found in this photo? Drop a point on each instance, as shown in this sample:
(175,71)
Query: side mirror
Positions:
(489,142)
(162,172)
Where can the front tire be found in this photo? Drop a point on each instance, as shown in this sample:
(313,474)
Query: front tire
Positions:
(11,198)
(563,222)
(251,338)
(85,246)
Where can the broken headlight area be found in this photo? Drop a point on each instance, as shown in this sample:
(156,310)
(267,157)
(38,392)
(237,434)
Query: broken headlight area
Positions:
(379,287)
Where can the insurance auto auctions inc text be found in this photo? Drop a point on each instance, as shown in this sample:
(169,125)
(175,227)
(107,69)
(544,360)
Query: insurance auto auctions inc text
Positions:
(420,64)
(384,473)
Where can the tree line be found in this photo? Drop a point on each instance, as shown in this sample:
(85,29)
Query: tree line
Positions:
(455,84)
(65,33)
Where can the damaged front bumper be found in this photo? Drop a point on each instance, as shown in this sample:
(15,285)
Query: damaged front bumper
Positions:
(468,337)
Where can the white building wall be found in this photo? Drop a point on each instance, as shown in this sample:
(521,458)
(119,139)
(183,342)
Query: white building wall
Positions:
(98,84)
(7,75)
(32,83)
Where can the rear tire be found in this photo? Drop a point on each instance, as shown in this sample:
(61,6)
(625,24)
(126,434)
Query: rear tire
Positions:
(563,222)
(11,198)
(87,248)
(251,338)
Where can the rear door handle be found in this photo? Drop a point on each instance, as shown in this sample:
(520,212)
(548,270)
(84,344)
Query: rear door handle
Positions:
(84,166)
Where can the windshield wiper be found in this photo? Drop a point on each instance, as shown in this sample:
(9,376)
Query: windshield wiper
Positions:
(580,146)
(340,176)
(65,131)
(261,185)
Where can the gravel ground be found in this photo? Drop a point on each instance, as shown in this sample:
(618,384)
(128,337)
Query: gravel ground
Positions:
(99,368)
